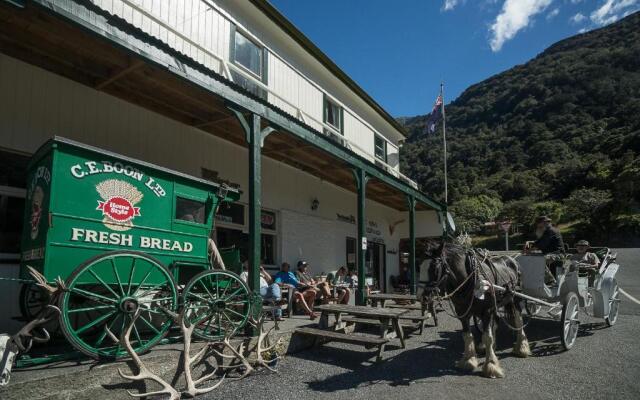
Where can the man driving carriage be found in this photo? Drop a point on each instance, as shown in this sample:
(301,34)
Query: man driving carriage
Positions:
(549,241)
(549,237)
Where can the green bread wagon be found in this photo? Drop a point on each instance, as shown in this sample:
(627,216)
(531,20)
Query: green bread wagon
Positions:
(125,235)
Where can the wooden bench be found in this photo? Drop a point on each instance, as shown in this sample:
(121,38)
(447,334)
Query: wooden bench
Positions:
(416,322)
(334,336)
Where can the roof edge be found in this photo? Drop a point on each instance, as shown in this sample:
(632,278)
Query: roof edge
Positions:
(279,19)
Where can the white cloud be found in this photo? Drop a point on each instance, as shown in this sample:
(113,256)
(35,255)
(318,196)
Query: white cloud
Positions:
(612,10)
(514,16)
(576,1)
(450,5)
(553,13)
(576,19)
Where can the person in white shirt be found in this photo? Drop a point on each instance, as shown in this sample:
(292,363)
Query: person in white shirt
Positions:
(269,290)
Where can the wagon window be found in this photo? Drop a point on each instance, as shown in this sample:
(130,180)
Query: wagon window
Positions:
(190,210)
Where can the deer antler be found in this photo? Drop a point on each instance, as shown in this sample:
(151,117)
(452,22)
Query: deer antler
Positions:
(143,371)
(189,361)
(238,354)
(262,341)
(42,281)
(27,331)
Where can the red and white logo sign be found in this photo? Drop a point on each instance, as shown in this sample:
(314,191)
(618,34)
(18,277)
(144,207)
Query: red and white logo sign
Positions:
(118,209)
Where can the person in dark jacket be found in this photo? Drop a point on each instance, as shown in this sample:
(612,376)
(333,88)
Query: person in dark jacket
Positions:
(549,237)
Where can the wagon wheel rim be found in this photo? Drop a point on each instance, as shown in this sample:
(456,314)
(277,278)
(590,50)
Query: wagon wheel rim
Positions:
(571,322)
(217,303)
(104,294)
(614,302)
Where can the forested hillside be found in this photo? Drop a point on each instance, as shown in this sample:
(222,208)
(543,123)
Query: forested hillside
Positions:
(559,134)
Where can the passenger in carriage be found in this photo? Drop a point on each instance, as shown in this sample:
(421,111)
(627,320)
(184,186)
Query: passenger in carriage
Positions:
(586,260)
(583,256)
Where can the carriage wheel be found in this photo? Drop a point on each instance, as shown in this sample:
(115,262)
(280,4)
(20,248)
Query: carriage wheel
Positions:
(33,299)
(570,322)
(105,292)
(614,301)
(217,302)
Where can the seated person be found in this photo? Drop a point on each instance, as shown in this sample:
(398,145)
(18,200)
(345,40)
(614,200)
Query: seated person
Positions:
(585,259)
(321,288)
(403,280)
(339,280)
(269,290)
(352,278)
(549,239)
(303,294)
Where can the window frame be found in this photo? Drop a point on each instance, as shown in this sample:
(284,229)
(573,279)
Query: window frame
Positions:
(325,115)
(192,198)
(263,54)
(377,137)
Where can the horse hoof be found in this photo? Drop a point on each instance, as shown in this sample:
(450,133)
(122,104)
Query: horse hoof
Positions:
(467,364)
(522,351)
(492,370)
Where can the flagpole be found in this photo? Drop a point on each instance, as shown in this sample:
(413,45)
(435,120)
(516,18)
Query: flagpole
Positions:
(444,142)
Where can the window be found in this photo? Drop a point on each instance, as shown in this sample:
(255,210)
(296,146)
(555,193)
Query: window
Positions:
(230,213)
(190,210)
(247,54)
(251,58)
(13,177)
(333,114)
(380,148)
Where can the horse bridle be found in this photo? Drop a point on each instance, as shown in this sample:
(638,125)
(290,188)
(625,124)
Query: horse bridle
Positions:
(443,272)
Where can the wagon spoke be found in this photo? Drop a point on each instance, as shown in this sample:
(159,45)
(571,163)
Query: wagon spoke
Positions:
(92,295)
(103,283)
(149,324)
(133,268)
(233,294)
(197,296)
(76,310)
(115,272)
(236,313)
(142,282)
(94,322)
(135,331)
(226,288)
(152,288)
(154,300)
(206,289)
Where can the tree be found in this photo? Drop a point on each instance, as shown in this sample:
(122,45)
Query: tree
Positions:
(472,212)
(586,204)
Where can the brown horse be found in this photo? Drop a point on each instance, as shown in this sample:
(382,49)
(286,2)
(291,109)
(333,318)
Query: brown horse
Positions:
(464,276)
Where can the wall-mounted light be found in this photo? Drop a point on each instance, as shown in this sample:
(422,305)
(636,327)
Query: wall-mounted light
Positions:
(314,204)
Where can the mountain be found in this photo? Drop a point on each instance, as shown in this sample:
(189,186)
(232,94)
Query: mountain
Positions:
(562,129)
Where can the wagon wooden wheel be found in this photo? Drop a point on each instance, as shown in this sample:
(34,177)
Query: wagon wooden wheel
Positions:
(218,303)
(106,291)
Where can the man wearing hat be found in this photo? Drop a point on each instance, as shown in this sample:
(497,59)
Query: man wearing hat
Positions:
(583,256)
(586,260)
(549,237)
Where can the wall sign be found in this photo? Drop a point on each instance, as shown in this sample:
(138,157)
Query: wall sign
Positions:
(364,243)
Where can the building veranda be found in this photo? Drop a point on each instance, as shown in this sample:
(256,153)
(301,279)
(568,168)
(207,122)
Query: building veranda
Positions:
(232,94)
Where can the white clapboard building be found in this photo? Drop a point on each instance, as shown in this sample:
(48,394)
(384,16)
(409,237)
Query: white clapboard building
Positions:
(227,90)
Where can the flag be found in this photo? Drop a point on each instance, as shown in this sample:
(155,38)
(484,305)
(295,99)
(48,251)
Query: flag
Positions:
(435,116)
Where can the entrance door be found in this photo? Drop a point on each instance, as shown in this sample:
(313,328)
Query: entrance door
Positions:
(376,265)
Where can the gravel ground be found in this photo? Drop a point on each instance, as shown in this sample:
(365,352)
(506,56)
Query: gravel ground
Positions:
(604,363)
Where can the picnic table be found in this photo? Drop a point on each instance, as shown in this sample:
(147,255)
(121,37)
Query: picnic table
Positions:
(389,322)
(405,302)
(397,297)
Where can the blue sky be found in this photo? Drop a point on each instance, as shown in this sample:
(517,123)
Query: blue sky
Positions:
(399,51)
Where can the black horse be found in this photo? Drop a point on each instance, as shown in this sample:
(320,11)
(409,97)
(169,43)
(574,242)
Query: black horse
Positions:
(465,276)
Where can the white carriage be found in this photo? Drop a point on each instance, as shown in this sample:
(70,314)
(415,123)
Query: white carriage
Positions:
(572,290)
